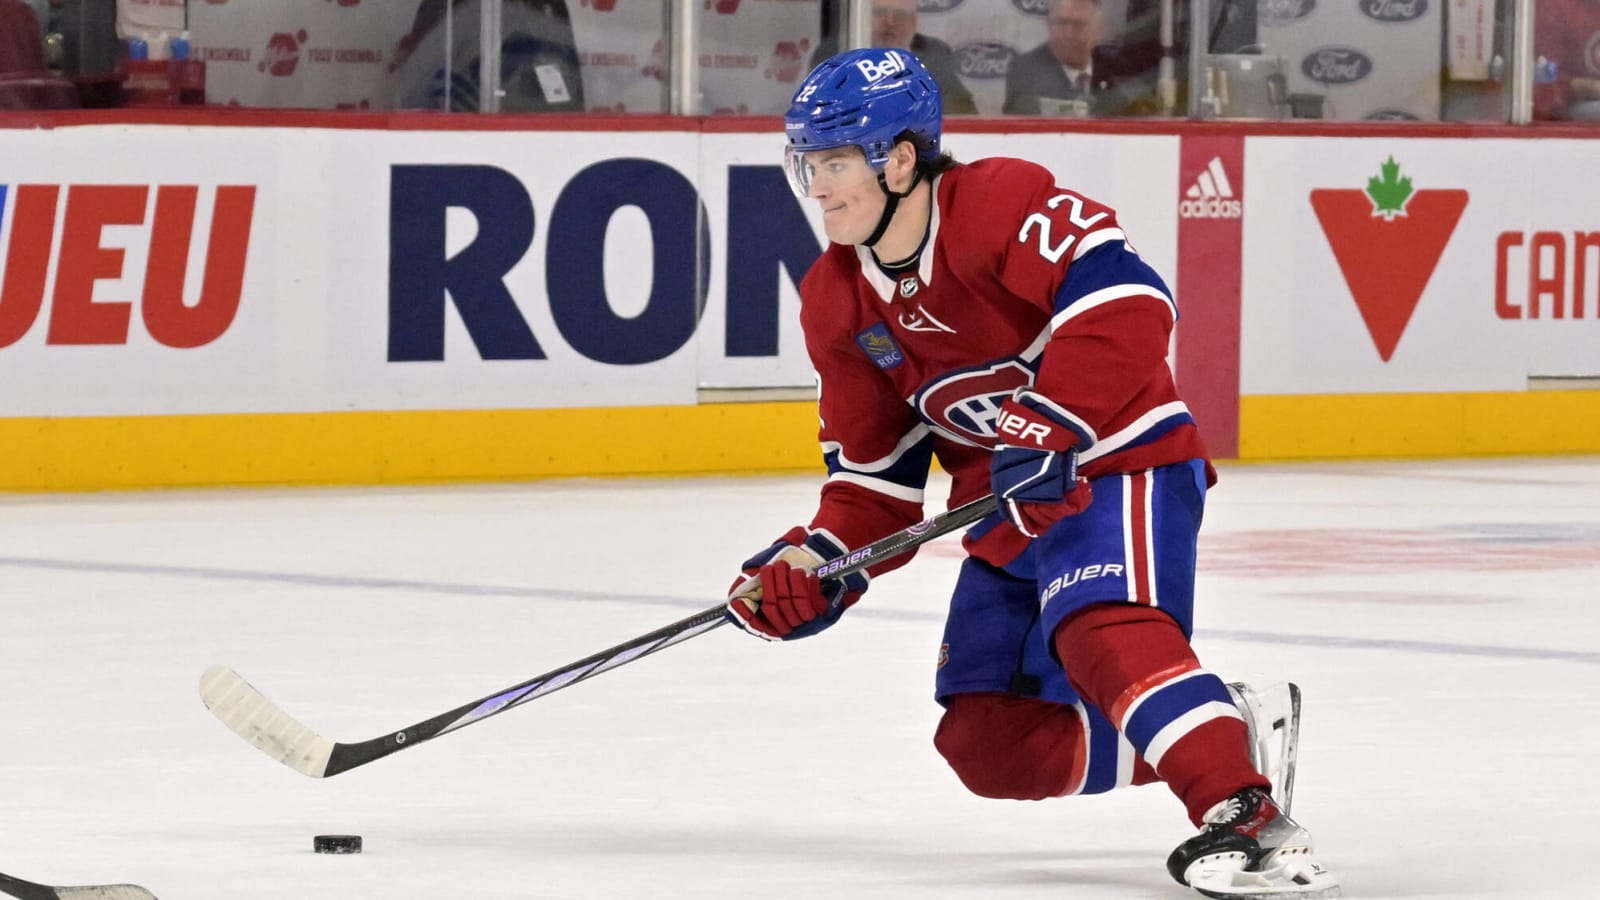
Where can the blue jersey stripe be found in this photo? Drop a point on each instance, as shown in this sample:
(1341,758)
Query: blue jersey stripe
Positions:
(1104,742)
(910,470)
(1108,265)
(1171,701)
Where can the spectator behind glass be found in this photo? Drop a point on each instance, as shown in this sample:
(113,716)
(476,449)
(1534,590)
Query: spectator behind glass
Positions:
(894,24)
(1072,72)
(1566,47)
(538,58)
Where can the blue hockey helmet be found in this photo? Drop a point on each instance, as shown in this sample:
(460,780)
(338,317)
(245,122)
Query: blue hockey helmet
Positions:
(863,98)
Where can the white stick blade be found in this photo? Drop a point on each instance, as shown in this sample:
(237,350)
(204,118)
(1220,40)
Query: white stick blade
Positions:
(248,713)
(105,892)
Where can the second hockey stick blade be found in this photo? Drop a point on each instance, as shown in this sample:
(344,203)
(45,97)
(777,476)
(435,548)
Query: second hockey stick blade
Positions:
(251,715)
(27,890)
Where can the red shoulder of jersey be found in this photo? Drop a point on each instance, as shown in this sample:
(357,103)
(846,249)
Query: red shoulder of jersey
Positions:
(827,305)
(1011,217)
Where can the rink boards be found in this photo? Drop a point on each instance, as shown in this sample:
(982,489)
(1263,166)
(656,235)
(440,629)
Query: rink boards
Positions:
(330,299)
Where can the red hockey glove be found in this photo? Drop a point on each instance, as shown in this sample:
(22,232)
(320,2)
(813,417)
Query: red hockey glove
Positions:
(790,602)
(1034,470)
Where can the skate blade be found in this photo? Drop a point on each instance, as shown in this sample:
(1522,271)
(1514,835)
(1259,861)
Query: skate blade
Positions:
(1297,877)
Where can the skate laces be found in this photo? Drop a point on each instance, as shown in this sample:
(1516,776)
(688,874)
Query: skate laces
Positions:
(1227,812)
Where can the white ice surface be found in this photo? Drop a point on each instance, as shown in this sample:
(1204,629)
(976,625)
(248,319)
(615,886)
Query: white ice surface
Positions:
(1442,618)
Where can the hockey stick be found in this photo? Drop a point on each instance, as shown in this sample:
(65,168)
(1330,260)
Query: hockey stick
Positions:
(27,890)
(249,714)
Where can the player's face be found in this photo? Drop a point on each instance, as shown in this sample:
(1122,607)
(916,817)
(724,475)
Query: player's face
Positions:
(845,186)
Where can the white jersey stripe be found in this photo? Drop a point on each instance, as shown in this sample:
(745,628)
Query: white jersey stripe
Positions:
(879,485)
(1096,238)
(1126,757)
(1083,750)
(1134,430)
(1127,715)
(1130,560)
(912,438)
(1107,295)
(1179,728)
(1147,557)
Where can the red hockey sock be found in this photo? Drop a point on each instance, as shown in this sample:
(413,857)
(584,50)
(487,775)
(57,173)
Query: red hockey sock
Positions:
(1113,653)
(1012,748)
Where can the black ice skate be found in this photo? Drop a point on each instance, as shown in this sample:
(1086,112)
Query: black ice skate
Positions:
(1250,847)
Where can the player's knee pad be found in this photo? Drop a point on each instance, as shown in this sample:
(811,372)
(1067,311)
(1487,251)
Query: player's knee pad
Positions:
(1107,647)
(1011,748)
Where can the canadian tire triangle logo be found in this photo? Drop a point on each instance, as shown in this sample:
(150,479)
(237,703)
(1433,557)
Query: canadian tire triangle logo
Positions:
(1387,240)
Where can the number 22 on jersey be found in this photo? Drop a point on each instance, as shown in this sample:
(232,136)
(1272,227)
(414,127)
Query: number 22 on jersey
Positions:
(1075,218)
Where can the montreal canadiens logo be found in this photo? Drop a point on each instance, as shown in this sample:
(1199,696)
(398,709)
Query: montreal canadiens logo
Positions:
(965,404)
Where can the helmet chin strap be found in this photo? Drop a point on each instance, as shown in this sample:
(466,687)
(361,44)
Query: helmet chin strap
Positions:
(892,204)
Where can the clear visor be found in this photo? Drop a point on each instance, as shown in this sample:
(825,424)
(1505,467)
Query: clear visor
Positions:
(808,169)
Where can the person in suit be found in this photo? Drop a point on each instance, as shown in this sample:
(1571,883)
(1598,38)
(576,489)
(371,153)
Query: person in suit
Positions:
(539,68)
(1073,65)
(894,24)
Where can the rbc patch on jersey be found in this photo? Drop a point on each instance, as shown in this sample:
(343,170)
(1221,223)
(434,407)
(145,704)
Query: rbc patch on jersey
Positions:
(880,346)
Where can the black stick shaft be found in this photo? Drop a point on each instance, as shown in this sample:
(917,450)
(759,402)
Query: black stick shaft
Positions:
(348,756)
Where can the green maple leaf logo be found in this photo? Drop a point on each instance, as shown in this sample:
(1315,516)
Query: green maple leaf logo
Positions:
(1390,192)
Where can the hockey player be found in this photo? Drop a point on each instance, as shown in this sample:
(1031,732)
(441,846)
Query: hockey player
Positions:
(980,314)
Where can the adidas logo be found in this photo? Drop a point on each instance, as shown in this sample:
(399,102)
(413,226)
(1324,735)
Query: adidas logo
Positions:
(1211,195)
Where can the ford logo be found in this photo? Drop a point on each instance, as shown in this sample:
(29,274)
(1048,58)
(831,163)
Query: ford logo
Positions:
(1390,114)
(1336,65)
(1394,10)
(937,6)
(984,59)
(1283,12)
(1033,7)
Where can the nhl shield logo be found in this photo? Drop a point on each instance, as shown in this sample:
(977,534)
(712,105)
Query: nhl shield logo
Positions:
(909,285)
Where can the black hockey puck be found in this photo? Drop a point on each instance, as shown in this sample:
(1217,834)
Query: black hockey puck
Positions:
(336,843)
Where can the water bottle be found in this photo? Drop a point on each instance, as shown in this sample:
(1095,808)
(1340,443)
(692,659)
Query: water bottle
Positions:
(1545,70)
(138,48)
(180,46)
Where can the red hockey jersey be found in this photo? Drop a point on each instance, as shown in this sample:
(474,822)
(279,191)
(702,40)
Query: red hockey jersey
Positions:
(1020,282)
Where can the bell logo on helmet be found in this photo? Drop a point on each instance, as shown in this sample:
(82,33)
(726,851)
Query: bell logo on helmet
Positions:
(891,64)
